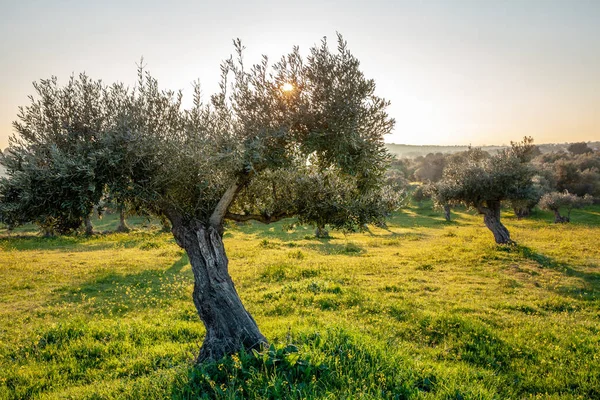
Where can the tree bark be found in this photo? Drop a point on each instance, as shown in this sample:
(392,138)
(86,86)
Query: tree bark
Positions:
(521,212)
(229,327)
(447,212)
(491,218)
(321,232)
(122,223)
(89,229)
(559,219)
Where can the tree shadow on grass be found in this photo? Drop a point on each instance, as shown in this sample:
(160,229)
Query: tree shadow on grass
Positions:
(113,293)
(328,248)
(589,216)
(29,242)
(76,243)
(589,291)
(424,218)
(284,231)
(289,231)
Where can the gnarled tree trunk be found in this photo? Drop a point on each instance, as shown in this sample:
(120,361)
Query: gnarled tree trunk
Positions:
(447,212)
(522,212)
(491,218)
(122,223)
(559,219)
(89,228)
(229,327)
(321,232)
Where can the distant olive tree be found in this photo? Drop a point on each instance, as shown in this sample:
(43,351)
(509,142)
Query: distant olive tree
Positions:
(440,200)
(556,201)
(430,168)
(253,152)
(579,148)
(576,173)
(481,181)
(523,207)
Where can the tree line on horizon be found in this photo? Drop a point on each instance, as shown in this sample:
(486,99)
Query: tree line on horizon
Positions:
(413,151)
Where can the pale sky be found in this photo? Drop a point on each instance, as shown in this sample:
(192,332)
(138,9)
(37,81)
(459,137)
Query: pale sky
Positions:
(456,72)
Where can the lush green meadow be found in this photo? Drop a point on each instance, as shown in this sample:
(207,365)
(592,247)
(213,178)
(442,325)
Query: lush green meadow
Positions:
(424,309)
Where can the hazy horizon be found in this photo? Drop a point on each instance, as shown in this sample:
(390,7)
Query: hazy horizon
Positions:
(456,73)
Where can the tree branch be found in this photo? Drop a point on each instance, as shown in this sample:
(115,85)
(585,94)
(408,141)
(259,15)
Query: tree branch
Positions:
(265,219)
(216,218)
(483,210)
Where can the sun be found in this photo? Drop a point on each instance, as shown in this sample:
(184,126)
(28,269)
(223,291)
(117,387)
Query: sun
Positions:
(287,87)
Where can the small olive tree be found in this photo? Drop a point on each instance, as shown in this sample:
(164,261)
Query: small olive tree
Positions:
(556,201)
(481,181)
(244,155)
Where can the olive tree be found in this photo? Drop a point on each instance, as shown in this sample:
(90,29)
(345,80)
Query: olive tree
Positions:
(556,201)
(242,155)
(579,148)
(51,161)
(481,181)
(523,206)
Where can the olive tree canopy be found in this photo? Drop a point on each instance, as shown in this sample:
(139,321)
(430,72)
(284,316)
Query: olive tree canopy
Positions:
(555,201)
(245,154)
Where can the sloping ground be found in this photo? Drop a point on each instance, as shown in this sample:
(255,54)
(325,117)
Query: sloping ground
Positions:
(425,309)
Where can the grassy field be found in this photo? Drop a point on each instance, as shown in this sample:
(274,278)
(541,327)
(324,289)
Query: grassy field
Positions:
(425,309)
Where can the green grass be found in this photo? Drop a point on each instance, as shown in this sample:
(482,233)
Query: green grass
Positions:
(424,309)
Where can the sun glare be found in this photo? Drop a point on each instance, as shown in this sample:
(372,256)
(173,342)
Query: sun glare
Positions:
(287,87)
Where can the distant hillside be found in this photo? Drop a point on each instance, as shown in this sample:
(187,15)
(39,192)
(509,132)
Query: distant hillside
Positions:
(412,151)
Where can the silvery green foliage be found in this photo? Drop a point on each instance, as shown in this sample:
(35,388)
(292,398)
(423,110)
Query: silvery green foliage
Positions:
(565,201)
(577,173)
(430,167)
(74,143)
(475,178)
(51,162)
(317,197)
(523,206)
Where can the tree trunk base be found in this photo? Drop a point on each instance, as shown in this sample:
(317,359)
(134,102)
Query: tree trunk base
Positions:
(89,229)
(321,233)
(122,228)
(229,327)
(447,213)
(491,218)
(559,219)
(522,213)
(214,349)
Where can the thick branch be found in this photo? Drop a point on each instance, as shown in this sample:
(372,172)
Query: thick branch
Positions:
(265,219)
(216,219)
(482,209)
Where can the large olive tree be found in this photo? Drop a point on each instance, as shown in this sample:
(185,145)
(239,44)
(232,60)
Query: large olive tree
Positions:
(246,154)
(481,181)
